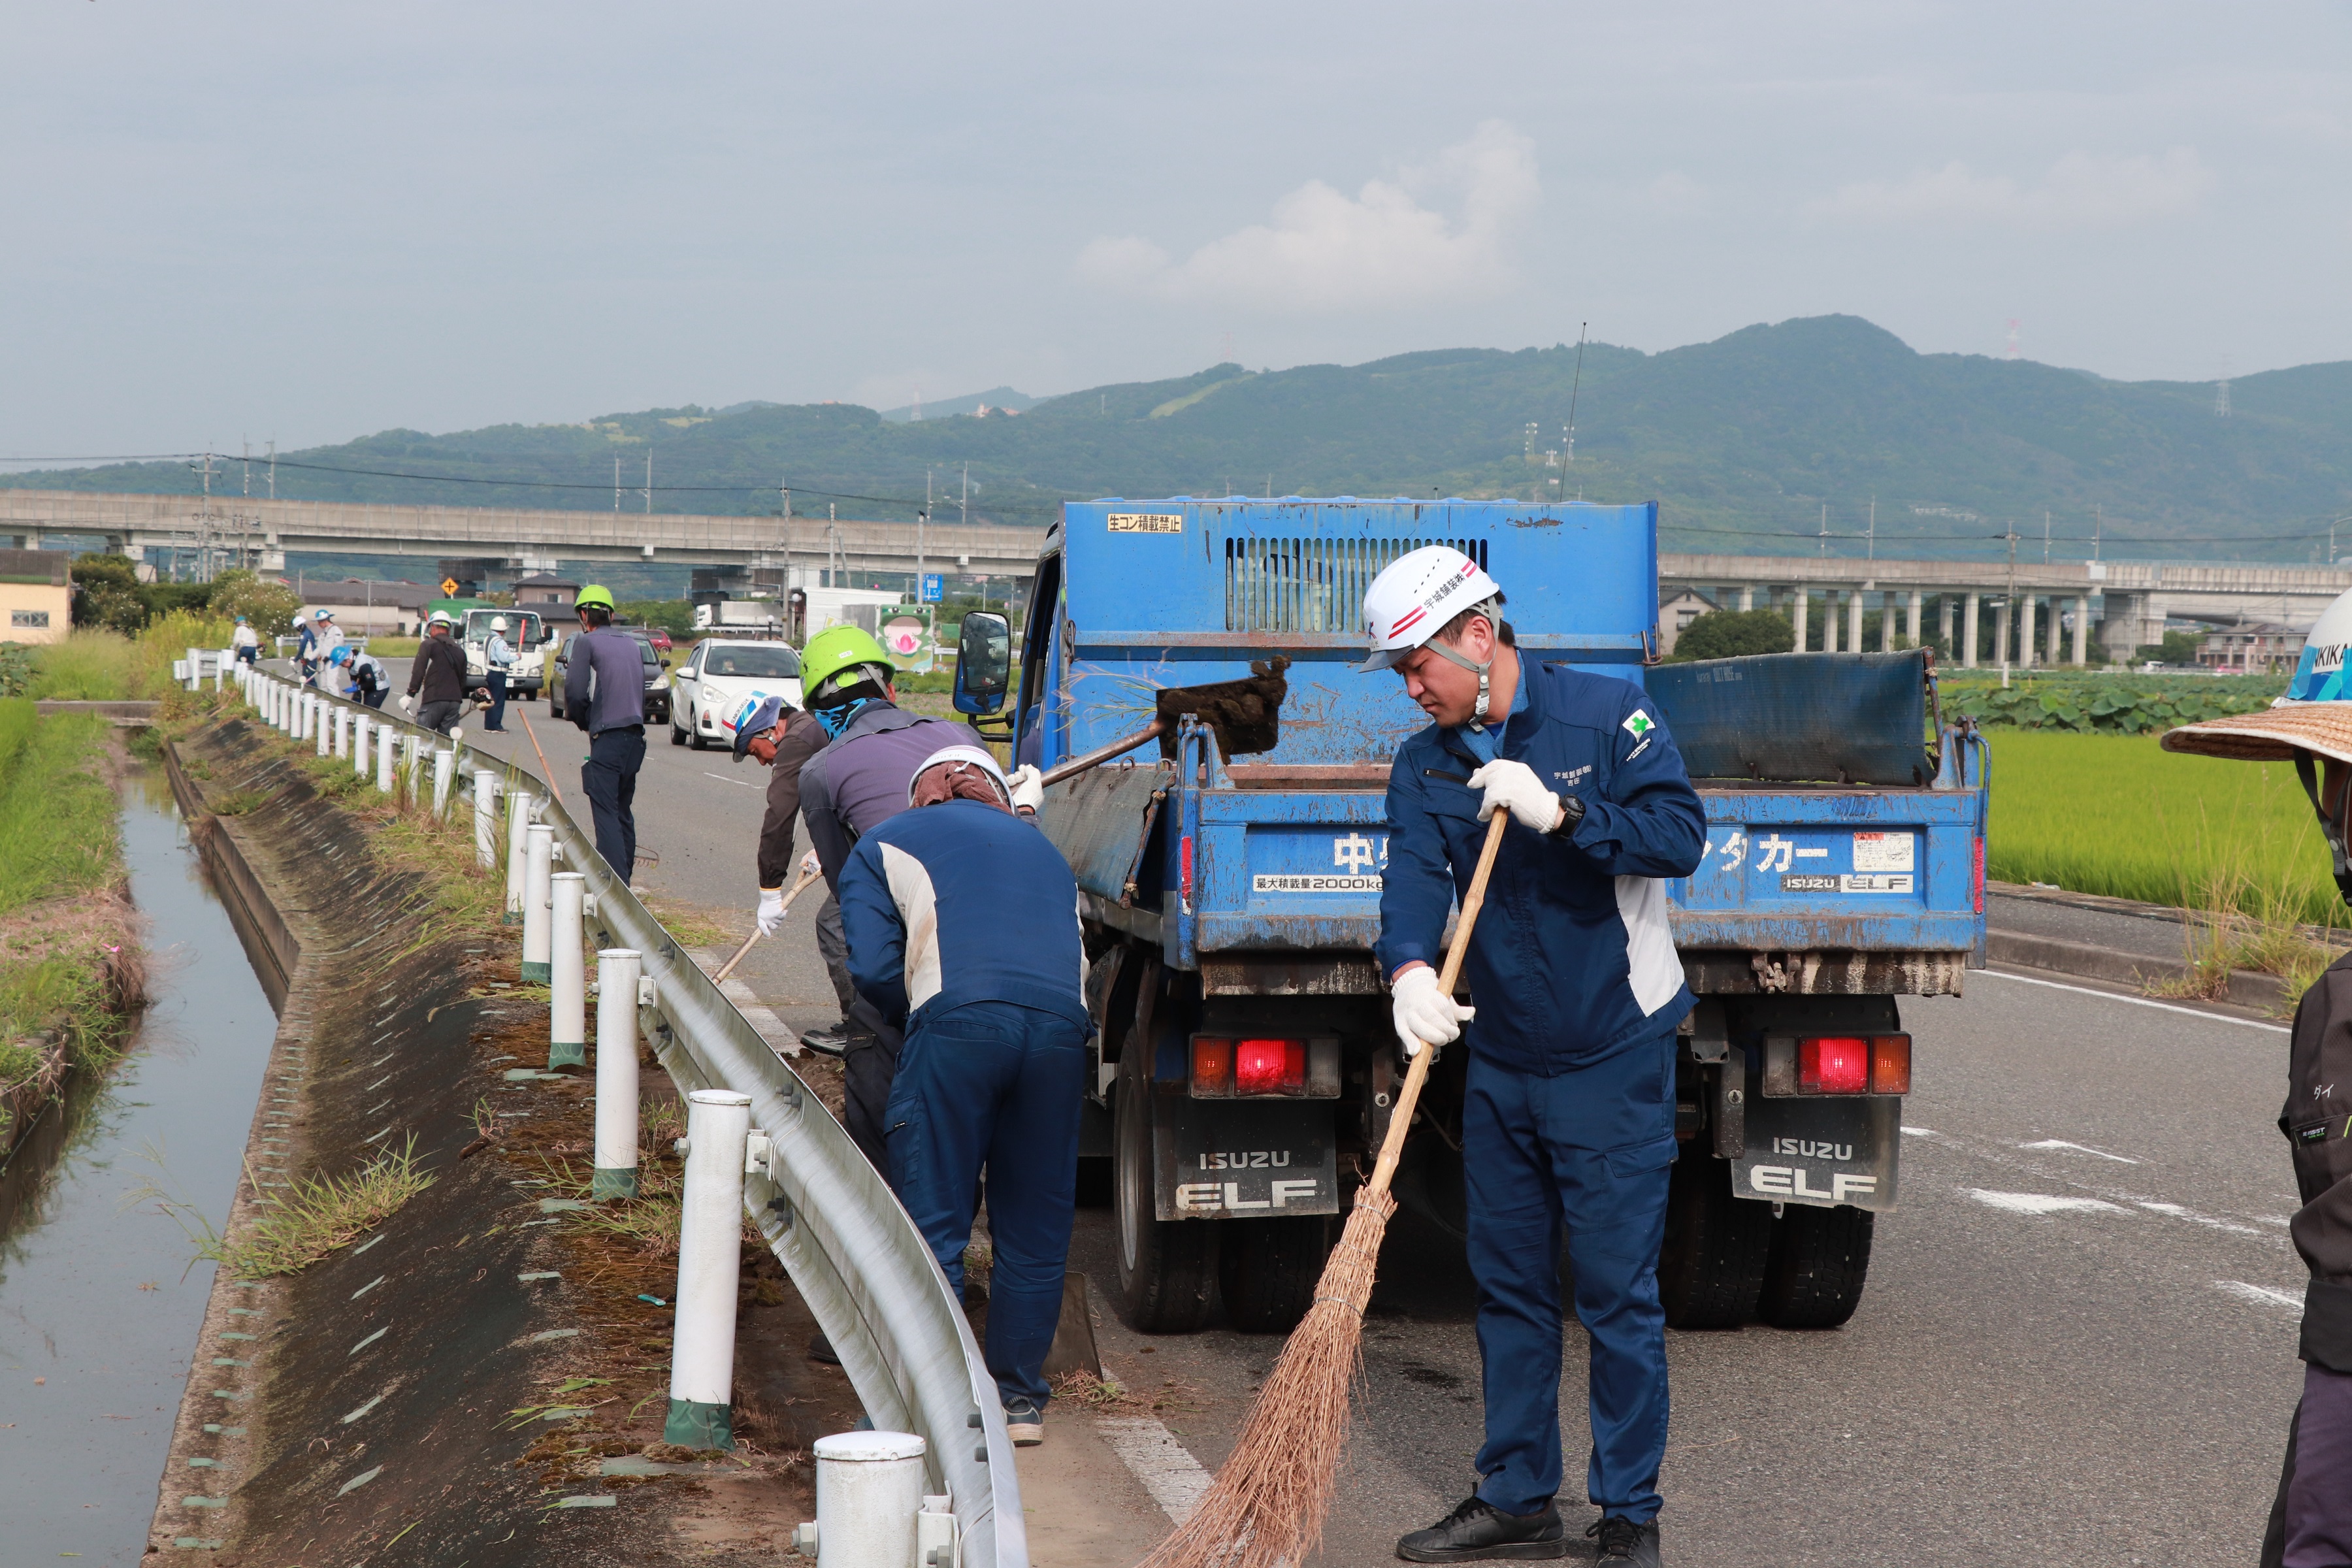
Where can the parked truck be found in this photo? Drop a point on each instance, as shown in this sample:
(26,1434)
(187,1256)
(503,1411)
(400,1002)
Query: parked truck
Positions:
(1244,1062)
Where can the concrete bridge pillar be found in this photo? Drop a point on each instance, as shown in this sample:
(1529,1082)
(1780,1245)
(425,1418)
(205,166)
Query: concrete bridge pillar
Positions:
(1746,596)
(2003,613)
(2057,616)
(2024,631)
(1854,621)
(2082,628)
(1911,616)
(1800,602)
(1975,603)
(1944,622)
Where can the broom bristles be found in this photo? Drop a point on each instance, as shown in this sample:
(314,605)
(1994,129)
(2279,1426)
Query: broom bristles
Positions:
(1268,1501)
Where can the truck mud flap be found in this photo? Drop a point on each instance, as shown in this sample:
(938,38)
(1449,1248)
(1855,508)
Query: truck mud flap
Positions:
(1225,1159)
(1821,1151)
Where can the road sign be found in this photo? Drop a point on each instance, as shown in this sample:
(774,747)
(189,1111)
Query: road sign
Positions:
(449,588)
(935,587)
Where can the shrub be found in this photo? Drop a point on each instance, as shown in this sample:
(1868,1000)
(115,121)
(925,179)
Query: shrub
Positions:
(1731,633)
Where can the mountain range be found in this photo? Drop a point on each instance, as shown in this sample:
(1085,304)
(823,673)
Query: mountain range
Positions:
(1756,442)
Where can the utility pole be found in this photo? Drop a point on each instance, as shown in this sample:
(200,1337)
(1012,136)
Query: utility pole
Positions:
(784,487)
(1574,387)
(616,482)
(248,460)
(964,512)
(649,483)
(1825,528)
(273,467)
(921,517)
(1872,552)
(2099,527)
(2045,536)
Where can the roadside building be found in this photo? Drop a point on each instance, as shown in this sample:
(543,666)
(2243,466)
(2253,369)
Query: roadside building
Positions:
(2252,647)
(1676,610)
(551,597)
(37,594)
(364,608)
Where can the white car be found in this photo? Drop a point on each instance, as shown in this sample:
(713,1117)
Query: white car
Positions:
(723,680)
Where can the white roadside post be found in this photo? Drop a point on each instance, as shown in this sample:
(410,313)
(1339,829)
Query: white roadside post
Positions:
(616,1176)
(342,730)
(224,662)
(517,836)
(710,1258)
(870,1507)
(567,972)
(195,669)
(319,708)
(360,744)
(274,710)
(412,761)
(539,865)
(302,700)
(384,759)
(445,774)
(486,817)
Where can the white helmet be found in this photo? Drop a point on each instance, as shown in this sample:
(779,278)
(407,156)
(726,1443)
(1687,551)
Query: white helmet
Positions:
(1414,598)
(498,623)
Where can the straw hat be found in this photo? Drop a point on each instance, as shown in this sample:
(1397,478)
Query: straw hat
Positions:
(2315,714)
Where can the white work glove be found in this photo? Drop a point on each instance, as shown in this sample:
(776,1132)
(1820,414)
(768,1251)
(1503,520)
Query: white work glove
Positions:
(1425,1016)
(771,910)
(1028,787)
(1514,787)
(408,704)
(809,867)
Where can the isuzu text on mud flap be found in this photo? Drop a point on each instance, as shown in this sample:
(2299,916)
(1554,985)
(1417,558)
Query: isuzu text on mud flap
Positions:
(1231,904)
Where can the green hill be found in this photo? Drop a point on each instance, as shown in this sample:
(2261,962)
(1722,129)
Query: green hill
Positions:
(1743,440)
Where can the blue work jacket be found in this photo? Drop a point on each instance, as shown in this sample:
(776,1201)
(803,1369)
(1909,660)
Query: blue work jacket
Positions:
(1574,955)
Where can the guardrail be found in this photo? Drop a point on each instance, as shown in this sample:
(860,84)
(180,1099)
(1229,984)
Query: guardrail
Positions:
(866,1272)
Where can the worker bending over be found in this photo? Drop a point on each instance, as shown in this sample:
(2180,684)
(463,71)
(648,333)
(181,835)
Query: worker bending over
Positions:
(438,671)
(857,784)
(1568,1122)
(963,932)
(782,738)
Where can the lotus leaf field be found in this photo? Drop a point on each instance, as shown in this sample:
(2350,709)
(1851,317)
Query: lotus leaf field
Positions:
(2116,815)
(2102,703)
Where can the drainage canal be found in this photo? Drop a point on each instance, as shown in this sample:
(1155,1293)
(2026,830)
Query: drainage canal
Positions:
(99,1306)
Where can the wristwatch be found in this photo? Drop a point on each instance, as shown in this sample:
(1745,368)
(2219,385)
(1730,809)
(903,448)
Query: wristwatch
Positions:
(1571,812)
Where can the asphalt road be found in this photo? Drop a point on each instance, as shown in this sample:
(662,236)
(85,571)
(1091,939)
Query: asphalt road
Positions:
(2077,1345)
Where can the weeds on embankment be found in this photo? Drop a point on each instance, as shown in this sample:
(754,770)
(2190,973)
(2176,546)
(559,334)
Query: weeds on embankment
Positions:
(318,1215)
(69,971)
(90,664)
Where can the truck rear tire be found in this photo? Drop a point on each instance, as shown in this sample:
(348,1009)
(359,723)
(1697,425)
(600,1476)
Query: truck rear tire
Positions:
(1167,1269)
(1820,1261)
(1711,1269)
(1268,1269)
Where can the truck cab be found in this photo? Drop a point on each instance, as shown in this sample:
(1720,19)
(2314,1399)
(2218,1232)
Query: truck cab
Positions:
(1245,1065)
(528,635)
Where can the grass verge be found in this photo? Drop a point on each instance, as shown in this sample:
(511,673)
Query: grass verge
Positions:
(318,1215)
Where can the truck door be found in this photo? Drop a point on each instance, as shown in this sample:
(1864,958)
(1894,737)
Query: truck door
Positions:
(1038,727)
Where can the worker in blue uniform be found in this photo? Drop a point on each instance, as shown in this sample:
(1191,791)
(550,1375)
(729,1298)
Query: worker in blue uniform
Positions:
(963,932)
(1568,1126)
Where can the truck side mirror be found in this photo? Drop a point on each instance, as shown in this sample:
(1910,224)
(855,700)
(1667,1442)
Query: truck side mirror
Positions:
(983,662)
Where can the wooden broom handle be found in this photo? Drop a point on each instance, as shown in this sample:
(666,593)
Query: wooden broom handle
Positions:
(1400,1121)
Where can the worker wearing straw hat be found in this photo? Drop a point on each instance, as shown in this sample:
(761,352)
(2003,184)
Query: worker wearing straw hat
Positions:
(2311,726)
(1567,1103)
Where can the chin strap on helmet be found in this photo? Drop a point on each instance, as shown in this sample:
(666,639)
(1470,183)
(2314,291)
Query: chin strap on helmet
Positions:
(1437,646)
(2331,824)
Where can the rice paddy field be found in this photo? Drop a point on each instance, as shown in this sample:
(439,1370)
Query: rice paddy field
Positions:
(2116,815)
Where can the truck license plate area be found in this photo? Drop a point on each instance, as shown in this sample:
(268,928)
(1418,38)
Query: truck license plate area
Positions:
(1820,1153)
(1803,864)
(1235,1160)
(1291,866)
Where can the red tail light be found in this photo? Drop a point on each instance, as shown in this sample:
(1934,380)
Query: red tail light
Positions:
(1212,1065)
(1269,1067)
(1184,871)
(1834,1064)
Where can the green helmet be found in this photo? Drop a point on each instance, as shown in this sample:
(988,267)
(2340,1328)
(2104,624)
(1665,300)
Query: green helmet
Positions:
(840,651)
(593,594)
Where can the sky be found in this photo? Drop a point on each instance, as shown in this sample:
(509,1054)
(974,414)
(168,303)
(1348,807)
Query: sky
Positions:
(249,221)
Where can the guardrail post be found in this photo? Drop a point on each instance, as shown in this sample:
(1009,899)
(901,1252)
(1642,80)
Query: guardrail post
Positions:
(273,709)
(445,774)
(617,969)
(567,977)
(518,849)
(709,1263)
(360,728)
(227,660)
(319,708)
(412,761)
(195,669)
(869,1499)
(342,730)
(486,817)
(538,866)
(384,759)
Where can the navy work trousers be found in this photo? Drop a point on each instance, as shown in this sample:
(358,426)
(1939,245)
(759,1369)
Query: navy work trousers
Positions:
(495,682)
(609,777)
(1585,1153)
(994,1084)
(2311,1521)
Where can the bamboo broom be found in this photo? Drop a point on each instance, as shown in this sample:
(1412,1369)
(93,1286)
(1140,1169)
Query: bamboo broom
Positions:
(1267,1503)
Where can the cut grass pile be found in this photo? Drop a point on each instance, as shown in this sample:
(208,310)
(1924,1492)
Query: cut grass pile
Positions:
(2116,815)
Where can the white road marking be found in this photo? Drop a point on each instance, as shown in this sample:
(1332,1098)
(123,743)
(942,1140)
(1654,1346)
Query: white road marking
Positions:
(2260,1295)
(2175,1211)
(1173,1478)
(1919,1131)
(2041,1203)
(2078,1149)
(722,778)
(2134,1001)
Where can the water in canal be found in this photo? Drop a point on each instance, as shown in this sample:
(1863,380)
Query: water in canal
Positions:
(99,1305)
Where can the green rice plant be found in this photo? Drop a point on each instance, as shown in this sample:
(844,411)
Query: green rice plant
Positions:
(2116,815)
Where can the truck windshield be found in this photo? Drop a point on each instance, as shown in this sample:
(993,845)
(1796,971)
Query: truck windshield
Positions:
(522,626)
(748,660)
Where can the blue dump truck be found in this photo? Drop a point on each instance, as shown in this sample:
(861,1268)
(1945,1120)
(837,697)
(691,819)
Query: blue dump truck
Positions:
(1246,1064)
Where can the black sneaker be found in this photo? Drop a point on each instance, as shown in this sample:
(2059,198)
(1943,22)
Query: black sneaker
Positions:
(1024,1423)
(1622,1541)
(1476,1529)
(828,1041)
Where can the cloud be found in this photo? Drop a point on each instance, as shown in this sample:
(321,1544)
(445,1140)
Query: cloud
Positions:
(2081,190)
(1326,251)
